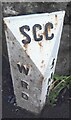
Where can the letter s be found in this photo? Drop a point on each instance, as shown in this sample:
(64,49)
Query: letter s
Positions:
(28,39)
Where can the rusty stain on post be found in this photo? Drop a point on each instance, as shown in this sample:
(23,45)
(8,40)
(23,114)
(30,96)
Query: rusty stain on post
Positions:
(40,44)
(56,20)
(49,29)
(41,80)
(38,35)
(56,17)
(44,34)
(25,45)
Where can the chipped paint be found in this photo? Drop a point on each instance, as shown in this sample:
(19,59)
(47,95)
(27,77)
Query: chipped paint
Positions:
(49,29)
(56,20)
(42,61)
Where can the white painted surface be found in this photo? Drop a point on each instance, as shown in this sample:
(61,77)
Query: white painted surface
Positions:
(36,53)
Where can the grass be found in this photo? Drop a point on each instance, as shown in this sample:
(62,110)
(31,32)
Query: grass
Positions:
(59,86)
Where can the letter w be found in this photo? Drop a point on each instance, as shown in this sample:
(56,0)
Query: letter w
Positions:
(23,68)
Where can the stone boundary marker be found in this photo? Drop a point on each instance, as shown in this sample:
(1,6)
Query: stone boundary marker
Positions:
(33,44)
